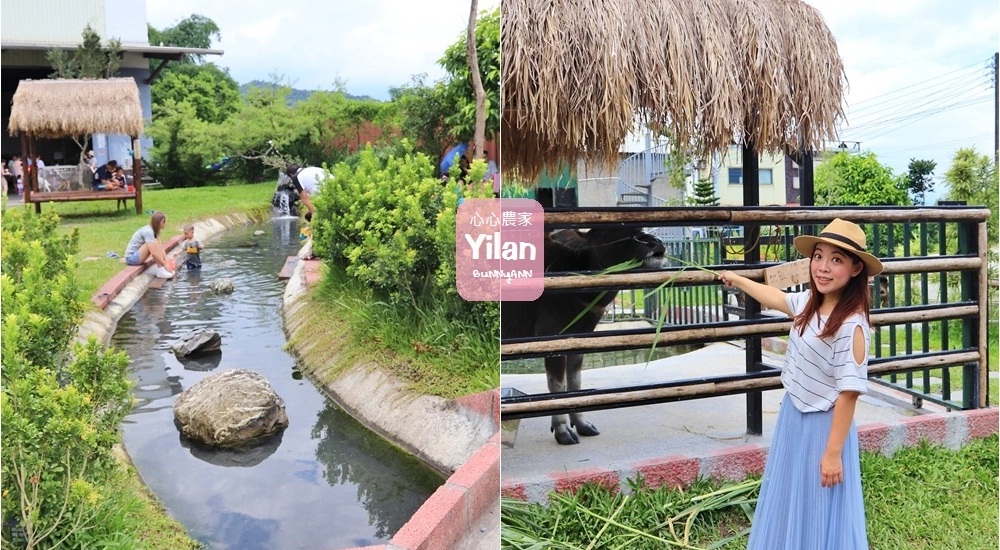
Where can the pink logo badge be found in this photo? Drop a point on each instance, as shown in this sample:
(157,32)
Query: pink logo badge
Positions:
(498,250)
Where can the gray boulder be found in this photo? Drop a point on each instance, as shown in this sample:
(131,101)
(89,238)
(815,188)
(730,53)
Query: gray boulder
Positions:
(197,342)
(230,409)
(222,286)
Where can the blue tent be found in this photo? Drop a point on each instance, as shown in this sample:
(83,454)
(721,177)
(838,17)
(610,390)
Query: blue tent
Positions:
(449,157)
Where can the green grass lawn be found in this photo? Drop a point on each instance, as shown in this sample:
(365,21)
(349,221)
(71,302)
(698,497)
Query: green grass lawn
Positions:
(104,228)
(921,498)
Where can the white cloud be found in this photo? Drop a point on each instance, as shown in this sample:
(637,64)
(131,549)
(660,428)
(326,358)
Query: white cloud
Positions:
(890,48)
(372,45)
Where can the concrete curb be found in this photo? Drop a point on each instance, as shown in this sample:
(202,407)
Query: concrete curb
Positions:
(382,403)
(952,430)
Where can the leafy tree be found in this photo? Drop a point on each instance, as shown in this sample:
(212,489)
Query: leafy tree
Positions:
(858,180)
(973,178)
(704,193)
(423,111)
(184,146)
(210,90)
(459,90)
(195,31)
(90,60)
(919,180)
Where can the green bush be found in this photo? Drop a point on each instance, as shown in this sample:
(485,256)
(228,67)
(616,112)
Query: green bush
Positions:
(391,225)
(60,407)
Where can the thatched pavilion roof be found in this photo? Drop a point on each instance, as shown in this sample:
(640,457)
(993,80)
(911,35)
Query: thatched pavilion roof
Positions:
(59,108)
(578,74)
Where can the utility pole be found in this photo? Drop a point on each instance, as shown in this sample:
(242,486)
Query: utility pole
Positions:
(996,110)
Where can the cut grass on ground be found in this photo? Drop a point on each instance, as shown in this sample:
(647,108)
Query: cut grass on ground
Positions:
(922,498)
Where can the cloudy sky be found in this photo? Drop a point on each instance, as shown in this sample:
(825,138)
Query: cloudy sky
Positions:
(372,45)
(920,75)
(920,82)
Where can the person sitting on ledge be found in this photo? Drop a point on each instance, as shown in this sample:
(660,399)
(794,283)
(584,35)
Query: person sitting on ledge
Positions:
(146,243)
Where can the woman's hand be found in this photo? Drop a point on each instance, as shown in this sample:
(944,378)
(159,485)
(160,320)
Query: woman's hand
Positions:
(831,469)
(727,278)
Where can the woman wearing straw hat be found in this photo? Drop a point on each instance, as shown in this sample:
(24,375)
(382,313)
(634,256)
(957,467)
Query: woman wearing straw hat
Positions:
(810,498)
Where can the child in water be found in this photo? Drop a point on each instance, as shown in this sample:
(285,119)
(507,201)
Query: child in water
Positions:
(193,248)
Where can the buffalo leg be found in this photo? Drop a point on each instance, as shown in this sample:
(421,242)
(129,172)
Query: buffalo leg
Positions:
(555,373)
(574,365)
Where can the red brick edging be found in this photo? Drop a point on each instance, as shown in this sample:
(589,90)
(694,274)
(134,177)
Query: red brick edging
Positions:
(473,490)
(953,430)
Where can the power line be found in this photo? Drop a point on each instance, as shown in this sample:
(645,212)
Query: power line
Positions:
(954,89)
(911,119)
(988,62)
(933,145)
(933,106)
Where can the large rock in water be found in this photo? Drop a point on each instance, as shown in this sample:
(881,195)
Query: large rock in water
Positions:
(222,286)
(197,342)
(229,409)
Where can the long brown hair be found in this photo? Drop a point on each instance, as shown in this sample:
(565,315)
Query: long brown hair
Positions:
(157,222)
(855,298)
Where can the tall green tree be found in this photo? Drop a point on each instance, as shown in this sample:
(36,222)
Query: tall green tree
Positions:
(973,178)
(194,31)
(919,180)
(459,88)
(858,180)
(423,111)
(90,60)
(704,193)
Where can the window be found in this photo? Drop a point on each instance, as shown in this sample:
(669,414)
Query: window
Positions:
(766,176)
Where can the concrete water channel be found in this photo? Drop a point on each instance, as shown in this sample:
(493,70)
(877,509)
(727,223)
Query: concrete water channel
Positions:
(326,482)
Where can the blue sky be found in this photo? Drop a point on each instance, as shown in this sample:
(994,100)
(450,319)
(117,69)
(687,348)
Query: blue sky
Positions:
(919,85)
(904,60)
(371,45)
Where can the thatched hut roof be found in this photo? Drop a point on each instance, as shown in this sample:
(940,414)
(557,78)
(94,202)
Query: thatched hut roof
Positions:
(577,75)
(59,108)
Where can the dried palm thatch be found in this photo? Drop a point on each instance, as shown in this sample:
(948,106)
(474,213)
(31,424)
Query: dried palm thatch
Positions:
(578,75)
(58,108)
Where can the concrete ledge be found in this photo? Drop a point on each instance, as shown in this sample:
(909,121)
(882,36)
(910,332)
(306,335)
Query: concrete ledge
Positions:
(116,284)
(953,430)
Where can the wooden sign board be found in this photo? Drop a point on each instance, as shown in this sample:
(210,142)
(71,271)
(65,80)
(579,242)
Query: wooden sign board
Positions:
(788,274)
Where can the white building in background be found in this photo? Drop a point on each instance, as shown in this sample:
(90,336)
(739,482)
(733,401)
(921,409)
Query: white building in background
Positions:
(30,28)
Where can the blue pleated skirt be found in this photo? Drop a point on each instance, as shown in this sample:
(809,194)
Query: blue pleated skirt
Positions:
(794,511)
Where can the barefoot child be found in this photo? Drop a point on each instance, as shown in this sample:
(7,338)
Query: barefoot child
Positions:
(193,248)
(810,497)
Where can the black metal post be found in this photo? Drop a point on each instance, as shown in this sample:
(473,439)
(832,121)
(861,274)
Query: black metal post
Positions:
(751,255)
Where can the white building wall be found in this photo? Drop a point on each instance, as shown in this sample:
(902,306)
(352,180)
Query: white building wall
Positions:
(63,21)
(732,194)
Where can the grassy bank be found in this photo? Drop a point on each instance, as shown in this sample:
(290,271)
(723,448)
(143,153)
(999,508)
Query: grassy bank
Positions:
(103,228)
(919,499)
(434,354)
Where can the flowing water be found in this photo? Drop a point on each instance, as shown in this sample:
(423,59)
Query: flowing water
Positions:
(326,482)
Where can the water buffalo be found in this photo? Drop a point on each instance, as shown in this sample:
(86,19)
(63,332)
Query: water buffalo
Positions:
(552,313)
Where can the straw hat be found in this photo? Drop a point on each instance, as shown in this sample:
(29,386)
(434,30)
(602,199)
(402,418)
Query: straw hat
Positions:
(843,234)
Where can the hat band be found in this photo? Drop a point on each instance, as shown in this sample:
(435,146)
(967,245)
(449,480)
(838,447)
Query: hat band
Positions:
(843,239)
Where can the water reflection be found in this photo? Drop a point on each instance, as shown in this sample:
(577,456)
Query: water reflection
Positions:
(243,457)
(352,455)
(325,482)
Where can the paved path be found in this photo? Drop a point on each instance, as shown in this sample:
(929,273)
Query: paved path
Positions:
(698,437)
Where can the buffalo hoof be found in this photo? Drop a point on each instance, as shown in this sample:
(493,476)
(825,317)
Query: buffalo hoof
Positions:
(586,428)
(565,436)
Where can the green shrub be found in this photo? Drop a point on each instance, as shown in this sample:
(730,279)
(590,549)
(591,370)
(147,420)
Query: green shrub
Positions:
(60,410)
(391,224)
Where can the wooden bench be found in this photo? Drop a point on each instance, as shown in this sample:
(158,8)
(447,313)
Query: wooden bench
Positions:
(120,195)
